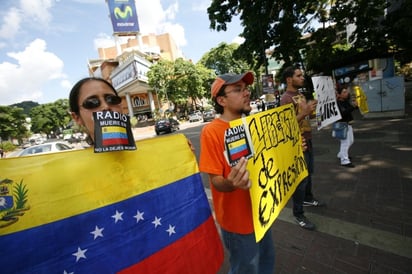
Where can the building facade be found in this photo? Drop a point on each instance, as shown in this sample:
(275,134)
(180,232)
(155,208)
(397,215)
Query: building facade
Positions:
(126,64)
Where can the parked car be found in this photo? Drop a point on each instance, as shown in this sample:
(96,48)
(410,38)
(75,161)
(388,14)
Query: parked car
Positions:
(44,148)
(209,115)
(74,138)
(167,125)
(195,116)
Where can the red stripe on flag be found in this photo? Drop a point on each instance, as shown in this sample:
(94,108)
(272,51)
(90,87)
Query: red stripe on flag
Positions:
(115,141)
(199,251)
(239,154)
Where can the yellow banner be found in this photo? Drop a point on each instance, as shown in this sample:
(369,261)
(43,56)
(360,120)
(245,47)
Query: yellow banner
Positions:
(361,99)
(277,165)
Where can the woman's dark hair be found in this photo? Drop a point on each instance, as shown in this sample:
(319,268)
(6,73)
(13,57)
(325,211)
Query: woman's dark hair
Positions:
(74,93)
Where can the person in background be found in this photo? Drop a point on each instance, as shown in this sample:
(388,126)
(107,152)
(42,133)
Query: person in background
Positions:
(230,185)
(89,95)
(303,196)
(346,107)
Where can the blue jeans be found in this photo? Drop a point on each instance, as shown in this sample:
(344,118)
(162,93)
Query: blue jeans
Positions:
(247,256)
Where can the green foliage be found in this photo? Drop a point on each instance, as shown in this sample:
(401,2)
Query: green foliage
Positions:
(399,32)
(267,25)
(12,123)
(179,80)
(26,106)
(7,146)
(221,59)
(51,117)
(280,25)
(368,16)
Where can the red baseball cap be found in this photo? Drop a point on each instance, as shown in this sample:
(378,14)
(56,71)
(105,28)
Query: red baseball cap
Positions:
(230,78)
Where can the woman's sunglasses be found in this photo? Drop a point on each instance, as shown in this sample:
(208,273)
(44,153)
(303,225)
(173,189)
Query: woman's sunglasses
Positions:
(94,102)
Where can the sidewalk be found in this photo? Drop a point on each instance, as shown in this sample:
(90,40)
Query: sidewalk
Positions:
(366,226)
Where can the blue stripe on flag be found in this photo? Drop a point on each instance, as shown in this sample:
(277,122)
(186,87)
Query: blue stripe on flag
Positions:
(114,135)
(238,149)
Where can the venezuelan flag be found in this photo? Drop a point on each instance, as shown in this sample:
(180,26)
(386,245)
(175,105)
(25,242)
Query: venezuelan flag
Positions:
(114,135)
(121,212)
(238,148)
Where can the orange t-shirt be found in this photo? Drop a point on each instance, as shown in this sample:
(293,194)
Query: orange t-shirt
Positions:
(233,209)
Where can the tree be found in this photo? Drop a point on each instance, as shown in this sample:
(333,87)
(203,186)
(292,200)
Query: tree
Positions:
(50,118)
(12,123)
(221,59)
(399,32)
(280,25)
(367,16)
(267,25)
(179,81)
(26,106)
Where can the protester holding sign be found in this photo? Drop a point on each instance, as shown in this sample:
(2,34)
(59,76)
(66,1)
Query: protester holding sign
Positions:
(230,185)
(294,79)
(346,107)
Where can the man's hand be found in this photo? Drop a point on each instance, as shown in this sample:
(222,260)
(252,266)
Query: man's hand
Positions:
(304,145)
(239,175)
(306,109)
(310,106)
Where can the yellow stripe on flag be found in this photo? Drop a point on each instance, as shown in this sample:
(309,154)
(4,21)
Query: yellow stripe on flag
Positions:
(100,179)
(113,129)
(237,143)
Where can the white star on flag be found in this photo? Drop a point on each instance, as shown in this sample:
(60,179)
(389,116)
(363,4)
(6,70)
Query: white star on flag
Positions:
(157,222)
(171,230)
(80,254)
(97,232)
(118,216)
(65,272)
(139,216)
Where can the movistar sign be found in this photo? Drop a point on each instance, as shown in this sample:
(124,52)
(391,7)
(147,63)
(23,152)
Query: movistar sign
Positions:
(124,17)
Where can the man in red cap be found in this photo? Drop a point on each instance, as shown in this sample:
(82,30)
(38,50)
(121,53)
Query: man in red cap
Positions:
(230,185)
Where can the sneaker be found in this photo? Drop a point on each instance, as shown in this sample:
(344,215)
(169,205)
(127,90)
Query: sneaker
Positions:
(338,155)
(314,202)
(304,223)
(349,165)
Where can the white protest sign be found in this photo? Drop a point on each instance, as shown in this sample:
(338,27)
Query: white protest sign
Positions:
(327,111)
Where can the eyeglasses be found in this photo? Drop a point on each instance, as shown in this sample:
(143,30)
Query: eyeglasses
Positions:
(238,90)
(94,102)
